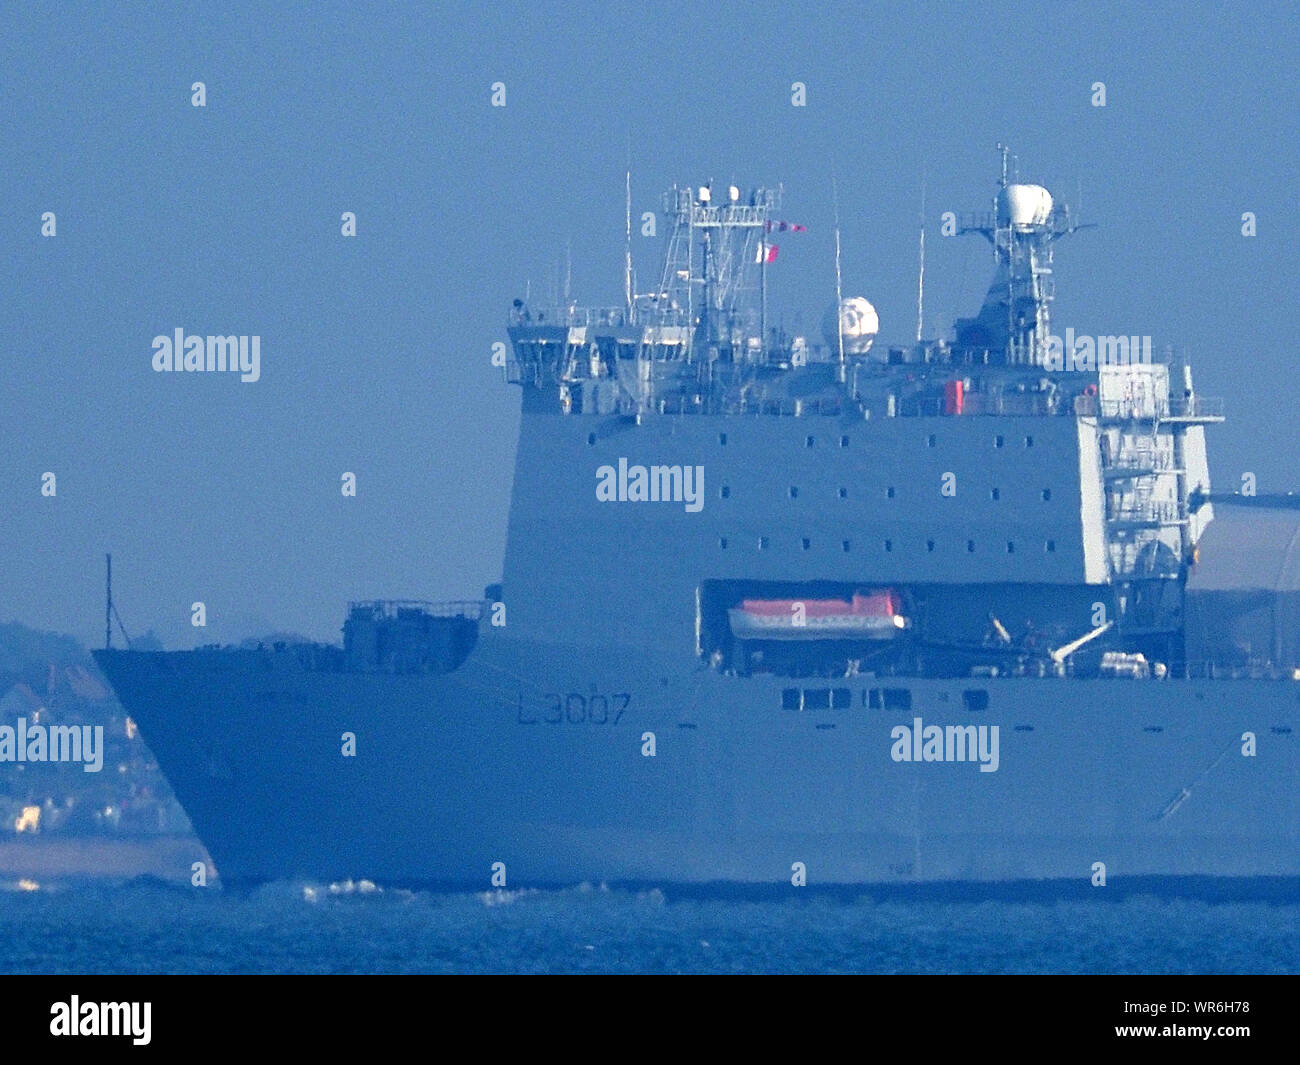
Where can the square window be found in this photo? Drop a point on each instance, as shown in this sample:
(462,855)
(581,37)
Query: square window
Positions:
(1011,547)
(794,492)
(844,441)
(929,441)
(806,543)
(591,439)
(998,440)
(1029,441)
(970,546)
(1047,494)
(889,545)
(847,545)
(889,492)
(725,491)
(898,699)
(995,494)
(1050,545)
(762,543)
(722,439)
(929,545)
(722,542)
(844,493)
(808,441)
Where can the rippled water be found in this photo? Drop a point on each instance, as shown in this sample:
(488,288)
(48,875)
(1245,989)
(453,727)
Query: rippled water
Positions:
(295,928)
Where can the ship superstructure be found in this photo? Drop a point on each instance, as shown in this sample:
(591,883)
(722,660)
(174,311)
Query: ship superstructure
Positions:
(764,596)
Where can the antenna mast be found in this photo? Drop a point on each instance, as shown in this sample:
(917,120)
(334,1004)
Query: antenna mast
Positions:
(108,607)
(920,282)
(627,245)
(839,295)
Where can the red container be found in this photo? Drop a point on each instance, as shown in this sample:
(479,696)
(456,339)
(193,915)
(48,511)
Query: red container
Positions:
(953,397)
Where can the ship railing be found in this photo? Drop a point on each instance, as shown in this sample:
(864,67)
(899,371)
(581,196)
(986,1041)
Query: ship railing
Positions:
(1140,462)
(1213,669)
(1007,405)
(977,404)
(1167,512)
(390,608)
(573,316)
(1145,410)
(1197,407)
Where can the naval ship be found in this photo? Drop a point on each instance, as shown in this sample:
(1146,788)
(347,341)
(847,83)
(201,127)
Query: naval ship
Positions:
(780,611)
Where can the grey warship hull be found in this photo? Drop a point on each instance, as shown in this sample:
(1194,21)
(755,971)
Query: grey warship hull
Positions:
(456,773)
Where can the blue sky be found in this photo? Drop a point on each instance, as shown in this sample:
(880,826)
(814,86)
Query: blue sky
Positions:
(375,350)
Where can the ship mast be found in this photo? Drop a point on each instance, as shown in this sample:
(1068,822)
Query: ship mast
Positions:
(920,279)
(627,245)
(729,266)
(1023,225)
(839,288)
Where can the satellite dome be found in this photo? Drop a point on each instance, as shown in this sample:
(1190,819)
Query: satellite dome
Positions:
(858,322)
(1023,206)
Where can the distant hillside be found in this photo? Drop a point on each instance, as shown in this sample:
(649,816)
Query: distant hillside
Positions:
(50,679)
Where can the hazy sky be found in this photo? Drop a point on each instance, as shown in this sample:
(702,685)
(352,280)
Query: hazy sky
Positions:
(375,350)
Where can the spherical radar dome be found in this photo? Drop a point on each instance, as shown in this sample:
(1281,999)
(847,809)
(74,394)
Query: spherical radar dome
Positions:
(1024,205)
(857,320)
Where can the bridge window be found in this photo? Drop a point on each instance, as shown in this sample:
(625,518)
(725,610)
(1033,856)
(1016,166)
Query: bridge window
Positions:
(888,698)
(817,698)
(841,698)
(791,699)
(975,699)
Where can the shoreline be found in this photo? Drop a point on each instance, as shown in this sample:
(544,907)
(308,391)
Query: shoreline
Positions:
(168,858)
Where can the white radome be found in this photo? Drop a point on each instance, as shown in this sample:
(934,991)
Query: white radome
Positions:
(859,323)
(1024,205)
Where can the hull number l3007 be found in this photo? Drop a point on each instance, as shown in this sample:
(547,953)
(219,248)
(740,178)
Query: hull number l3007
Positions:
(575,708)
